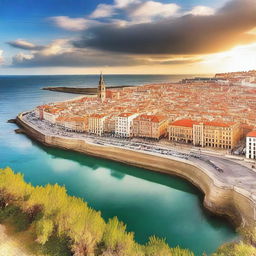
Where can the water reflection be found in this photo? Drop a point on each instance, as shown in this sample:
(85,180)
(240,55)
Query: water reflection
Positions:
(117,175)
(119,170)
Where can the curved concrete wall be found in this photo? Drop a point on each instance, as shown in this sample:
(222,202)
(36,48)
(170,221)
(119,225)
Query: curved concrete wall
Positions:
(219,198)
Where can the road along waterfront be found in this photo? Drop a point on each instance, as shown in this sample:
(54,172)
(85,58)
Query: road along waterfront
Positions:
(229,187)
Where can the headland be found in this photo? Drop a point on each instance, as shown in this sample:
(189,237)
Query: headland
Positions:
(79,90)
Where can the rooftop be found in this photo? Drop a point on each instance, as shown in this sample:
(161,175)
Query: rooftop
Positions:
(126,114)
(251,134)
(152,118)
(184,122)
(219,124)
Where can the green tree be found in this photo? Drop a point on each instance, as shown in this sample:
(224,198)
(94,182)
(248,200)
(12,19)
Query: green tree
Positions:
(177,251)
(44,229)
(13,188)
(86,231)
(157,247)
(235,249)
(116,240)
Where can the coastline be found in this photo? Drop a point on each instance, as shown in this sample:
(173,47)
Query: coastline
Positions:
(220,198)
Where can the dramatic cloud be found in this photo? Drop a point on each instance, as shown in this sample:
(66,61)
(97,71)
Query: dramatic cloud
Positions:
(146,11)
(61,53)
(20,57)
(22,44)
(103,10)
(124,3)
(188,34)
(202,10)
(149,33)
(134,11)
(181,61)
(76,58)
(73,24)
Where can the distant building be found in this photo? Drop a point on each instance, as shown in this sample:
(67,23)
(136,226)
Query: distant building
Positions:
(96,124)
(251,145)
(199,80)
(123,124)
(102,89)
(150,126)
(205,134)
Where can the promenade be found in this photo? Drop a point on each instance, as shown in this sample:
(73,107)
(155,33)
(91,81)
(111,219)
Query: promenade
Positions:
(227,170)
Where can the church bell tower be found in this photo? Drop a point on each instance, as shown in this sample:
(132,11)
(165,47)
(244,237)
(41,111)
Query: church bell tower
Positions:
(101,89)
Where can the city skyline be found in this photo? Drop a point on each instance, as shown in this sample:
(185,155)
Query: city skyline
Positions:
(127,37)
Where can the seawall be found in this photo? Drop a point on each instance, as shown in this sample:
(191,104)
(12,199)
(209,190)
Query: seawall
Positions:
(222,199)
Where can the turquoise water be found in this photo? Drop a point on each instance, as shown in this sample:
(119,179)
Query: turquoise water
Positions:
(149,203)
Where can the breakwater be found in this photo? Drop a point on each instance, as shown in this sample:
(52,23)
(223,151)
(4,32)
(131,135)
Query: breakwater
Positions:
(220,198)
(80,90)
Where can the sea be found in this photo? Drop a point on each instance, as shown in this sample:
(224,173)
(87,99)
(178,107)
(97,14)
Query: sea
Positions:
(149,203)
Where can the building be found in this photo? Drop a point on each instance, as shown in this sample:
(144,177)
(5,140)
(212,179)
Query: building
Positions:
(101,89)
(181,130)
(205,134)
(73,123)
(110,124)
(251,145)
(96,123)
(123,124)
(150,126)
(50,114)
(113,94)
(39,111)
(216,134)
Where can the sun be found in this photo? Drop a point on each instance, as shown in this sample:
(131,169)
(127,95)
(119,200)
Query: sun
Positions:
(239,58)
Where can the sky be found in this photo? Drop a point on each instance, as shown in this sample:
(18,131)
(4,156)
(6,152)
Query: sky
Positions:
(127,36)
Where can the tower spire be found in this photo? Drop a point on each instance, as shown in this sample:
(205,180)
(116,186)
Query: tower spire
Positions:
(102,89)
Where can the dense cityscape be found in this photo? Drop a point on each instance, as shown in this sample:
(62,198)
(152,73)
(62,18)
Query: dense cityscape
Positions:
(220,116)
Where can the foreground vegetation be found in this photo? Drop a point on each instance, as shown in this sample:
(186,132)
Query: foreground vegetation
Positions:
(65,225)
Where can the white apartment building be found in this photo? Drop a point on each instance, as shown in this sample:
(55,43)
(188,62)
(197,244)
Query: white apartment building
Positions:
(96,124)
(123,124)
(251,145)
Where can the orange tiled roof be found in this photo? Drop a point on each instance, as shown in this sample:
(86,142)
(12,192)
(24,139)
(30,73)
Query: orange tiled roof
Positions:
(152,118)
(219,124)
(184,122)
(97,115)
(53,110)
(125,114)
(251,134)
